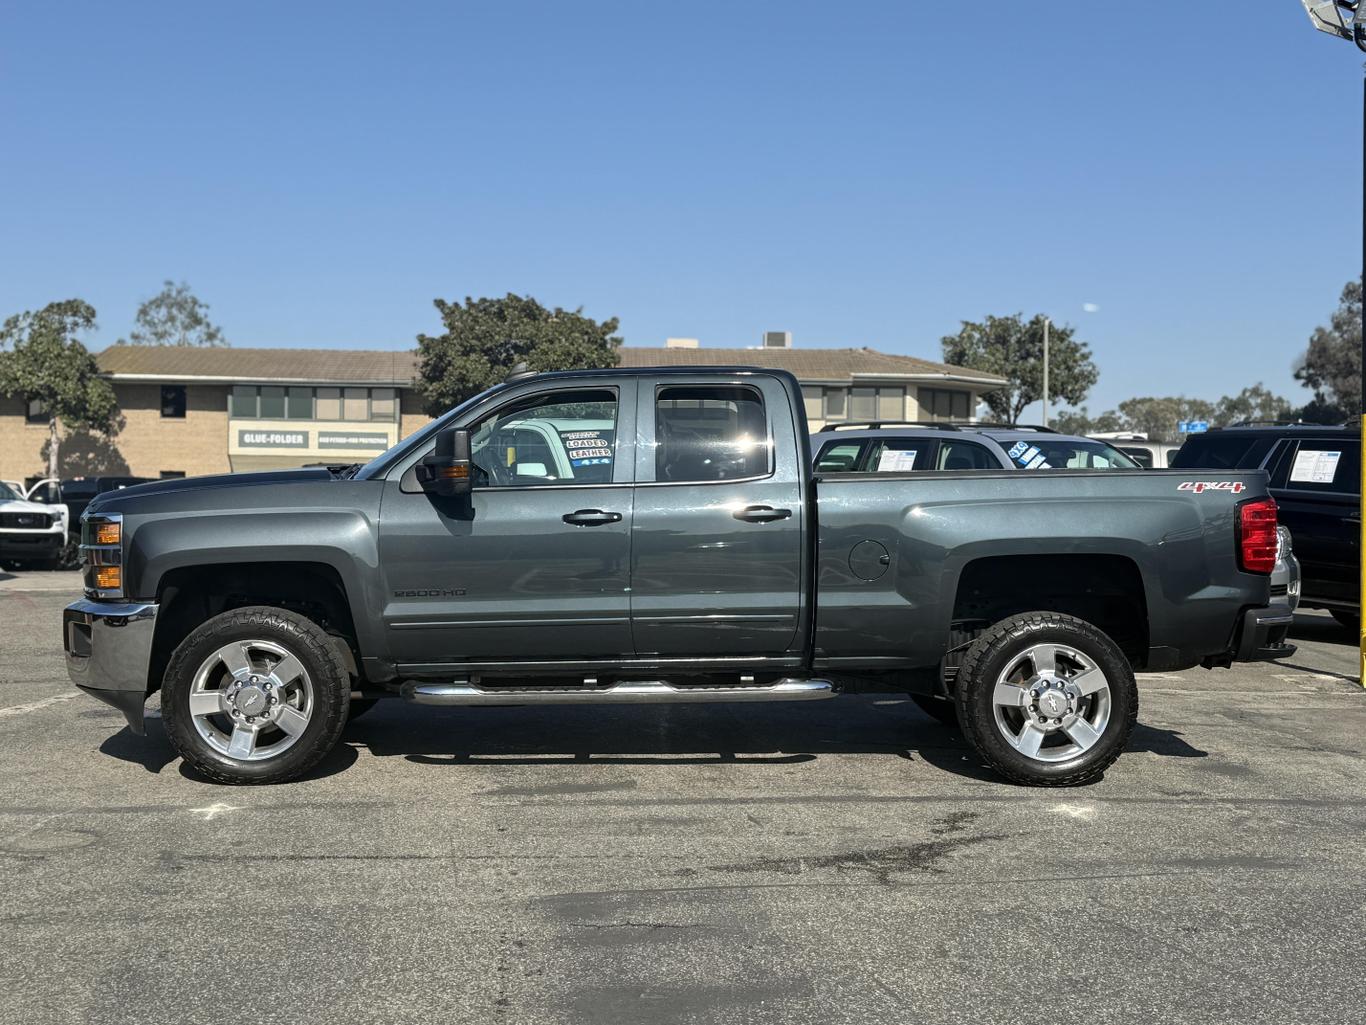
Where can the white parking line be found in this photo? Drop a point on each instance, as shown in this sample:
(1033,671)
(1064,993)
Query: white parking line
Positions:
(33,706)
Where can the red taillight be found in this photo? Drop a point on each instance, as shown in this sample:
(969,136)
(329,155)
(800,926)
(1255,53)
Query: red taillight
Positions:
(1257,535)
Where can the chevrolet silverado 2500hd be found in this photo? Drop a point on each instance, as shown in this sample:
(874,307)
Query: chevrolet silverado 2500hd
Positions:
(592,537)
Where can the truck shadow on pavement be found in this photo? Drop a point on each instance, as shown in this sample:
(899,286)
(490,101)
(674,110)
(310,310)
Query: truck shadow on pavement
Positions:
(743,735)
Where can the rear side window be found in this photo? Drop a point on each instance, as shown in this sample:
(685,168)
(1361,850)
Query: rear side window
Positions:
(900,455)
(1224,452)
(1141,456)
(1329,465)
(710,433)
(839,457)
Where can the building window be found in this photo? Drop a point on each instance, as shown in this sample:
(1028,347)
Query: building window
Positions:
(943,404)
(355,404)
(172,474)
(891,403)
(173,401)
(834,403)
(299,404)
(272,402)
(814,400)
(242,402)
(35,411)
(862,403)
(329,404)
(383,405)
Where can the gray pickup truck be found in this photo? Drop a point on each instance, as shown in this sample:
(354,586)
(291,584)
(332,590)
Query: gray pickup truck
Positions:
(593,537)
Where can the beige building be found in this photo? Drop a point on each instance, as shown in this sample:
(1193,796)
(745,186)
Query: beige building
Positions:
(191,411)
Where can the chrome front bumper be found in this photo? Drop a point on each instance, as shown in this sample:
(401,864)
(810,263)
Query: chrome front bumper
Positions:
(108,649)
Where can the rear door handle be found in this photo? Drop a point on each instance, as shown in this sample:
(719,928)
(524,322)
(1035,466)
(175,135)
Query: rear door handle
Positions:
(591,518)
(761,514)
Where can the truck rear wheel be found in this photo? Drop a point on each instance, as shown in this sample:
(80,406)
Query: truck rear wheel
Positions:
(1047,699)
(255,695)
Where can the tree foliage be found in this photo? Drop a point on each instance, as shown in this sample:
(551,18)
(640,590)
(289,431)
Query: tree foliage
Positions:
(485,339)
(175,316)
(46,362)
(1013,348)
(1331,366)
(1157,417)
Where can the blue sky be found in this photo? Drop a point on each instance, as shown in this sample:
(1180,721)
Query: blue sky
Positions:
(858,174)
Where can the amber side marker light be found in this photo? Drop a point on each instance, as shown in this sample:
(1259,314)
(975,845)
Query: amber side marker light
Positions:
(107,533)
(459,472)
(108,578)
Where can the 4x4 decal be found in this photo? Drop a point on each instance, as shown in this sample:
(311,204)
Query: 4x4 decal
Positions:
(1199,486)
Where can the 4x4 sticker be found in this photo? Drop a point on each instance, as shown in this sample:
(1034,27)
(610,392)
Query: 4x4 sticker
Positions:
(1028,456)
(1200,486)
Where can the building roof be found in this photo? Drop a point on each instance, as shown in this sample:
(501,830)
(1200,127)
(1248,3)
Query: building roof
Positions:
(371,366)
(307,366)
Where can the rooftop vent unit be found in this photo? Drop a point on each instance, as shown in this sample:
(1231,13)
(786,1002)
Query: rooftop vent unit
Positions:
(680,343)
(777,339)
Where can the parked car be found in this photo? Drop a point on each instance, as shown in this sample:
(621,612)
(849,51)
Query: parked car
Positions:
(31,534)
(1137,446)
(685,553)
(79,492)
(1315,477)
(901,447)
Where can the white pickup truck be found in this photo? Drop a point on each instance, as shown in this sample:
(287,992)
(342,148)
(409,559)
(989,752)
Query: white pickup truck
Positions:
(31,533)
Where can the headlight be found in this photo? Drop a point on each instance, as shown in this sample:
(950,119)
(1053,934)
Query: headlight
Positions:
(102,553)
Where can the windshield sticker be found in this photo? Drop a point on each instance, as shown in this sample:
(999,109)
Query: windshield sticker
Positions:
(1315,467)
(588,448)
(893,461)
(1028,456)
(1201,486)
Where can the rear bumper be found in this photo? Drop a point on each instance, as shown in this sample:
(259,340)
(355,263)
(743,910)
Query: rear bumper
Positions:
(108,648)
(1262,633)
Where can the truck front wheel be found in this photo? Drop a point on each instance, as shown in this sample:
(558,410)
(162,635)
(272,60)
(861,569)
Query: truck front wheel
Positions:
(1047,699)
(255,695)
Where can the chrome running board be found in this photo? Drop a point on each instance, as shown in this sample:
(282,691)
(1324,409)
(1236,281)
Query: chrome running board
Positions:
(627,692)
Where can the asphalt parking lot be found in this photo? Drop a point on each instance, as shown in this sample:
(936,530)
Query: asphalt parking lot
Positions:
(846,861)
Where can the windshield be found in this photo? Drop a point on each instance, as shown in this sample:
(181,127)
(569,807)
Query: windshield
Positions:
(1064,454)
(381,462)
(7,493)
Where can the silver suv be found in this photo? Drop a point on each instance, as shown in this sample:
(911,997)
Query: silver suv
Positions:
(895,446)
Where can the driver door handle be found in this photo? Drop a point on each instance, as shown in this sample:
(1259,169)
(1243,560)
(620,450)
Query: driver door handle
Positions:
(591,518)
(761,514)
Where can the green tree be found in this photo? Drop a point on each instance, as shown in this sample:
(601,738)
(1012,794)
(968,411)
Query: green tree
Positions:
(46,363)
(175,316)
(1157,417)
(1254,403)
(485,339)
(1079,421)
(1331,366)
(1013,348)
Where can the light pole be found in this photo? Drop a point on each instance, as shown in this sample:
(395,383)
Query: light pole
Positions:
(1045,371)
(1346,19)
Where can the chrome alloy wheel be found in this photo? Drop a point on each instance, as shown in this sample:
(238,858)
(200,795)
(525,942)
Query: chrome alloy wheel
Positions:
(1051,703)
(251,700)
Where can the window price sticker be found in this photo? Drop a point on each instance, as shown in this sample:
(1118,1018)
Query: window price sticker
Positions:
(893,461)
(1315,467)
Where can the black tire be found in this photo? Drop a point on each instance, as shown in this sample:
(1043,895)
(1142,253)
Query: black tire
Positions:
(1348,618)
(359,706)
(992,654)
(942,709)
(306,641)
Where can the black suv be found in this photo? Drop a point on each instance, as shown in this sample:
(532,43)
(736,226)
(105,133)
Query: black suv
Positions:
(1316,480)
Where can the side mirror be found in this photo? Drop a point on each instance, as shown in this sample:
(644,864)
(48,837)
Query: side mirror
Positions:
(445,472)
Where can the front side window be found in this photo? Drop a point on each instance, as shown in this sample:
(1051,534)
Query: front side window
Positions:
(173,401)
(555,438)
(710,433)
(965,455)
